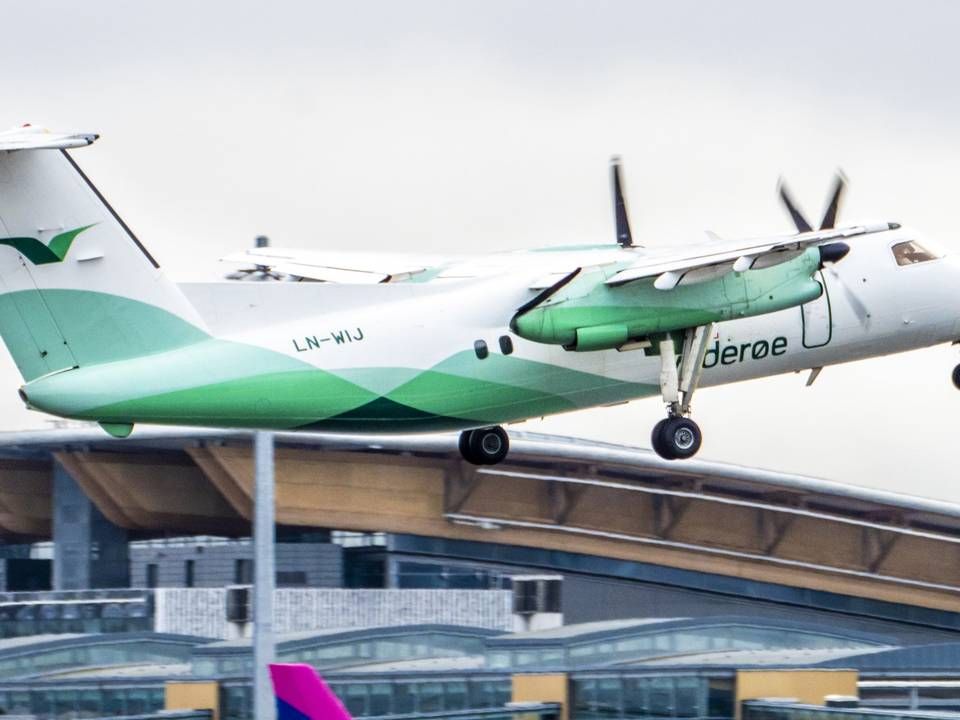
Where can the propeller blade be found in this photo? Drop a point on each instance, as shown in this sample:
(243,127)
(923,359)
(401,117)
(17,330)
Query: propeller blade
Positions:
(833,207)
(798,219)
(859,308)
(624,236)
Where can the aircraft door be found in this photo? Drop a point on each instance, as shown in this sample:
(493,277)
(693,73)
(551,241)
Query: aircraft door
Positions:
(817,317)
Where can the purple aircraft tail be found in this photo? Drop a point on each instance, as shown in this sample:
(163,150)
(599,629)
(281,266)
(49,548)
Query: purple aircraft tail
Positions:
(303,695)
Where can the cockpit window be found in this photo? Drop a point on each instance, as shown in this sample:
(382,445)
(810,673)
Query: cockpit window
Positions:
(911,253)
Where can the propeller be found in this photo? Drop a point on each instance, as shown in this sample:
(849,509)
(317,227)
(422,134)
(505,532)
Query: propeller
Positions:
(859,309)
(828,222)
(258,273)
(620,214)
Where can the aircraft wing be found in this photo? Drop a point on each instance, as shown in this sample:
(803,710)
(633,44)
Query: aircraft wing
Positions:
(743,254)
(343,267)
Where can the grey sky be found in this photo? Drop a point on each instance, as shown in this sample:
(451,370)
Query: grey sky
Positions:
(456,126)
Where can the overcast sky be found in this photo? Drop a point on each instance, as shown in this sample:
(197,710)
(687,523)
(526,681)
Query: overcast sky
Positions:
(468,126)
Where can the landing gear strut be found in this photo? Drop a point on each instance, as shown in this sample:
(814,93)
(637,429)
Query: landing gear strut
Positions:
(484,446)
(678,437)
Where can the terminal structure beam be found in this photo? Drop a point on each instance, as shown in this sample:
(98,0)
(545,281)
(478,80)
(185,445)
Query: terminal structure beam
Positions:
(89,550)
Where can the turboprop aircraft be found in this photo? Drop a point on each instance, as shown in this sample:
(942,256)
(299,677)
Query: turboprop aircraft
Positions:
(384,343)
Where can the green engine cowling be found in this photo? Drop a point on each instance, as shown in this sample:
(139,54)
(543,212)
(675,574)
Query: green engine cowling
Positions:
(589,315)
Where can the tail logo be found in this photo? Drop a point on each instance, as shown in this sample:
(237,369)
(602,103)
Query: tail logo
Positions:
(40,254)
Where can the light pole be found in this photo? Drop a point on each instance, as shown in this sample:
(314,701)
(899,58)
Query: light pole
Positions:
(264,707)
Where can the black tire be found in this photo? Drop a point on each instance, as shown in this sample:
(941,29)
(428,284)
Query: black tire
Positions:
(488,446)
(465,446)
(681,437)
(955,375)
(657,443)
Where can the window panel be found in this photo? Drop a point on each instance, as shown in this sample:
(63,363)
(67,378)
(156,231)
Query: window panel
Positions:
(911,252)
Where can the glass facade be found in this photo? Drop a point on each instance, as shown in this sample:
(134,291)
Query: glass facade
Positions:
(332,652)
(755,710)
(942,695)
(59,701)
(649,641)
(546,712)
(448,576)
(380,696)
(84,615)
(89,652)
(598,696)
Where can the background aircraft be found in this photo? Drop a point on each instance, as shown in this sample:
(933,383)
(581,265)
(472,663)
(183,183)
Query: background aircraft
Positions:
(394,344)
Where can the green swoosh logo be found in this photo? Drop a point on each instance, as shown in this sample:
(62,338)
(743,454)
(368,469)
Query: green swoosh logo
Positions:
(40,254)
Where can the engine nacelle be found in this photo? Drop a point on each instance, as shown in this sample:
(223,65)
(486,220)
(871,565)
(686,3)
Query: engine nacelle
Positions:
(589,315)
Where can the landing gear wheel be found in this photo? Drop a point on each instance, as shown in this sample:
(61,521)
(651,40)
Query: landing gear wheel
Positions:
(656,441)
(680,438)
(956,377)
(465,444)
(484,446)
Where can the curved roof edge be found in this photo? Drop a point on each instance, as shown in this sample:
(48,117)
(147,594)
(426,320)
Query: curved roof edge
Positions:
(524,446)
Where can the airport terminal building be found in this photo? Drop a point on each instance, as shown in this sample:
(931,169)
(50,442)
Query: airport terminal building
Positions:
(575,580)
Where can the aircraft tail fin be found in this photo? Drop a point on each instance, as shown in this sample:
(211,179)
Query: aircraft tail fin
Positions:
(303,695)
(76,286)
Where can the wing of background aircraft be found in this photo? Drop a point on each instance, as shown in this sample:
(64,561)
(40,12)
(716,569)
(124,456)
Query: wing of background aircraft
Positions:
(337,267)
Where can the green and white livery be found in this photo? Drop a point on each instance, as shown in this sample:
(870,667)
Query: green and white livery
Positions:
(404,344)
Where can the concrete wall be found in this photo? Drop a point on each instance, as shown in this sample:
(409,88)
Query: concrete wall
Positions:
(807,686)
(543,688)
(187,695)
(202,611)
(297,564)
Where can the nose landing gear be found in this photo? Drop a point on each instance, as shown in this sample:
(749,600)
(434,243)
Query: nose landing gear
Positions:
(484,446)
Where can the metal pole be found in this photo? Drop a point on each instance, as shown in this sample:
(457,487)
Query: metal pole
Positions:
(264,705)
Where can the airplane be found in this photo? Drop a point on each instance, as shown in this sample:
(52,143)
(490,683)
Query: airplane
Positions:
(395,343)
(301,694)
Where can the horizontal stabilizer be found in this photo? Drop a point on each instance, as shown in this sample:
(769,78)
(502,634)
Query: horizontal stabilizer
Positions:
(29,137)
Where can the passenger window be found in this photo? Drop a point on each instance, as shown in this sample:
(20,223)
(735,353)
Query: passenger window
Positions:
(480,348)
(911,253)
(506,344)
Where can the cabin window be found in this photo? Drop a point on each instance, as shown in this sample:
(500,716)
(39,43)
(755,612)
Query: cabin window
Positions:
(480,348)
(506,344)
(911,252)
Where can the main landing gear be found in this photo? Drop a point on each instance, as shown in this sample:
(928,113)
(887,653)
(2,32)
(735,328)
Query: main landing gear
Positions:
(484,446)
(678,437)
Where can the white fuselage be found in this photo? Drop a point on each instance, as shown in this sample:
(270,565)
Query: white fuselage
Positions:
(872,306)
